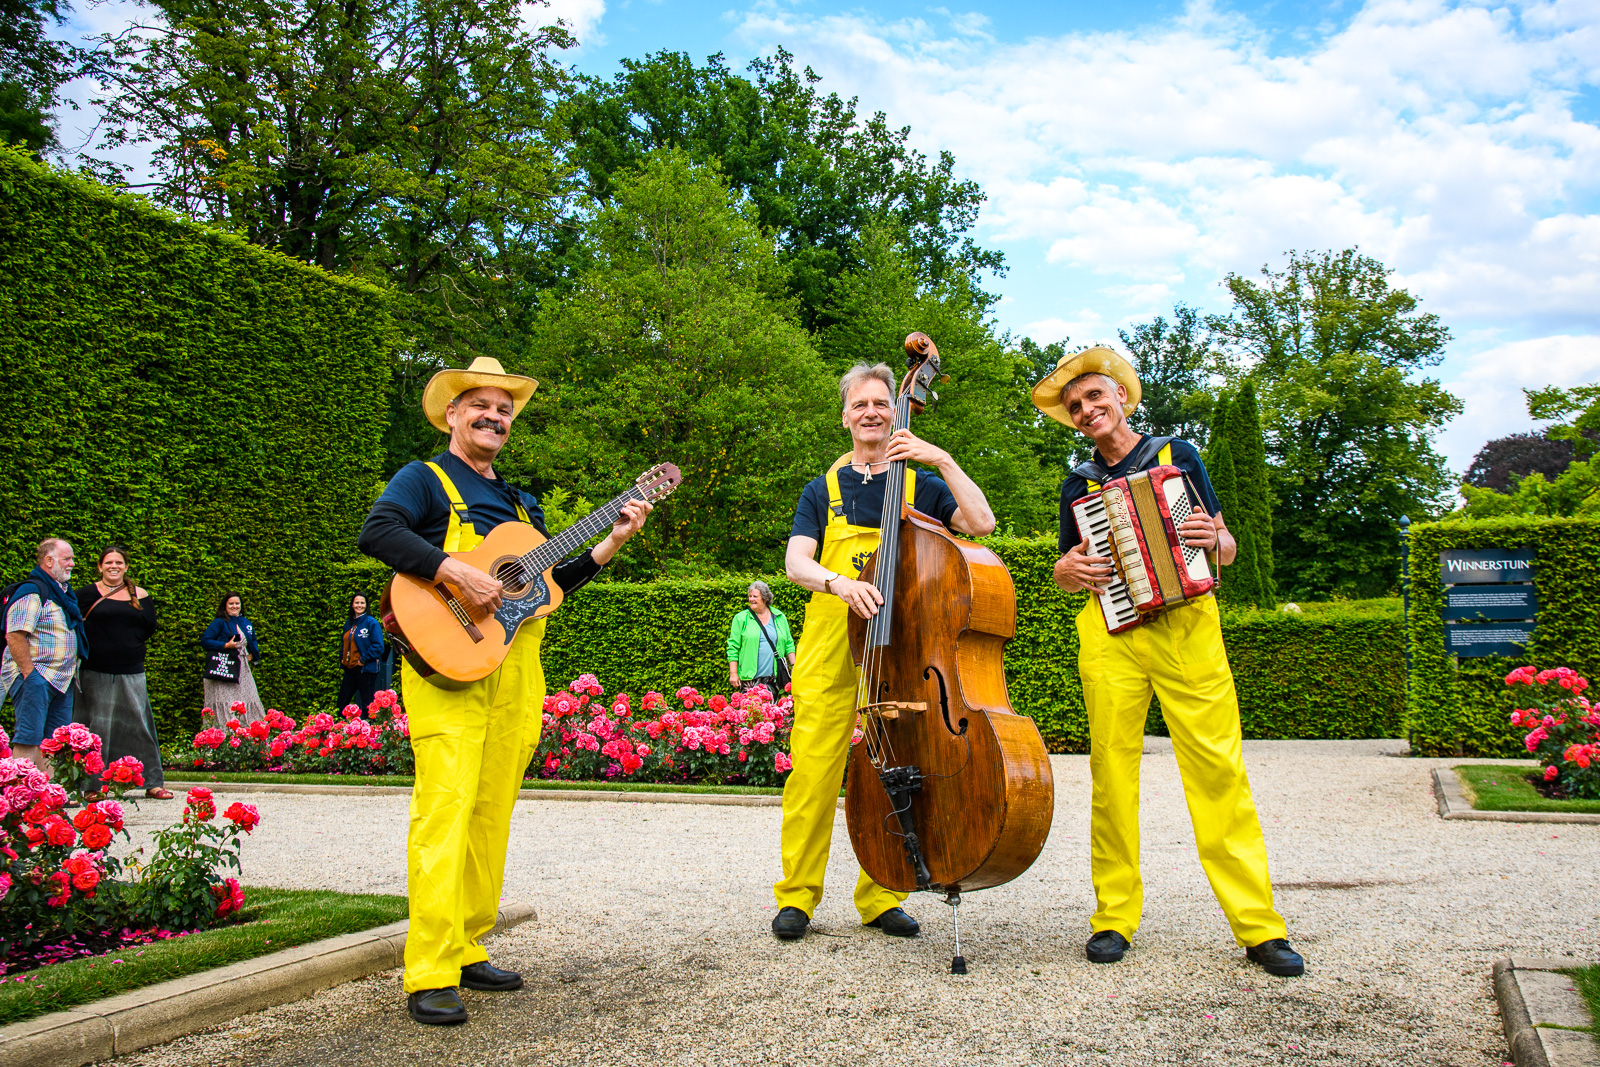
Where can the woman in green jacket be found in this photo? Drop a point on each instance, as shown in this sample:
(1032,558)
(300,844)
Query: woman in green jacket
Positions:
(758,640)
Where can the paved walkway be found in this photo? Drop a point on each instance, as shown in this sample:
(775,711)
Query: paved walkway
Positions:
(652,945)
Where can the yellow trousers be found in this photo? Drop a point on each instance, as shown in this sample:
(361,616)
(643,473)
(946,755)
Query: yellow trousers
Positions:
(824,693)
(472,746)
(1180,657)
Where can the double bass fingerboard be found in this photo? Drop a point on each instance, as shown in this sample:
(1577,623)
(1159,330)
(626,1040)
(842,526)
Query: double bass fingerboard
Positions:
(880,628)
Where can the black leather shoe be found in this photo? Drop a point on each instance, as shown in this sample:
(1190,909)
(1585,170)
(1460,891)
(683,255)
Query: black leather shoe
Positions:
(489,979)
(437,1007)
(1276,957)
(896,923)
(1106,946)
(790,924)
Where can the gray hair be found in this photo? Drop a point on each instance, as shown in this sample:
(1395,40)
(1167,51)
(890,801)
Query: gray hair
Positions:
(862,372)
(48,547)
(764,589)
(1109,380)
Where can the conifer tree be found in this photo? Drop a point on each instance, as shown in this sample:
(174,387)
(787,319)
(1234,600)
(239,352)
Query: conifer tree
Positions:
(1241,581)
(1249,451)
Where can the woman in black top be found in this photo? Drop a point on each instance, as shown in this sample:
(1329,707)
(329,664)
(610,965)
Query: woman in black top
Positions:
(119,618)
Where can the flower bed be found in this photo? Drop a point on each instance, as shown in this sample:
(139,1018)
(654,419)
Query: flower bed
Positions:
(1563,731)
(741,739)
(61,888)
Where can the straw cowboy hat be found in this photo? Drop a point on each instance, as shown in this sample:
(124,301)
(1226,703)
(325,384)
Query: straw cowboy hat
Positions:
(1096,360)
(449,384)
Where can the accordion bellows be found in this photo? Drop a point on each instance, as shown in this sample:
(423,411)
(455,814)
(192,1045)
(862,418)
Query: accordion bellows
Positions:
(1134,521)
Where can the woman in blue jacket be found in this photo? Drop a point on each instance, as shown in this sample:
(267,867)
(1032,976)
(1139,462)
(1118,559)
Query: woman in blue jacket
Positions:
(361,655)
(231,632)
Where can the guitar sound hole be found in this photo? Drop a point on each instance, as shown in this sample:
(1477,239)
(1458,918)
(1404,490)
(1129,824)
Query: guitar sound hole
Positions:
(512,577)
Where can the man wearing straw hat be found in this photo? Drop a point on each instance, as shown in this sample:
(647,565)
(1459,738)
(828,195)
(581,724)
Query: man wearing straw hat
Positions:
(472,742)
(1179,656)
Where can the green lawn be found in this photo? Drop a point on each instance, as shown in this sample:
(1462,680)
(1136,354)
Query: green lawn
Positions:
(1588,983)
(180,780)
(1502,788)
(279,919)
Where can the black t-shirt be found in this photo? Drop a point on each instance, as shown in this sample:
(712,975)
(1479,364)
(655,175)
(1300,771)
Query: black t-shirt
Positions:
(863,501)
(1184,456)
(117,631)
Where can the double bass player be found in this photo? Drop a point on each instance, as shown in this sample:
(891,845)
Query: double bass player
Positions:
(1180,657)
(841,511)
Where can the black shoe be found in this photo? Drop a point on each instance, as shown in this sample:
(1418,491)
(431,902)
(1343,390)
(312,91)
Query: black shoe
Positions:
(489,979)
(1276,957)
(1106,946)
(896,923)
(436,1007)
(790,924)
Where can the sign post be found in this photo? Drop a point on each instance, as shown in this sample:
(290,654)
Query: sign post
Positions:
(1490,602)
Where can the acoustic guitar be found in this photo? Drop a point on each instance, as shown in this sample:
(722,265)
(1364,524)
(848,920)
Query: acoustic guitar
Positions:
(448,642)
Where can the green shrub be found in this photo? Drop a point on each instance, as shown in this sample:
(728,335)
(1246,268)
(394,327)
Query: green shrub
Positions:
(213,406)
(1463,706)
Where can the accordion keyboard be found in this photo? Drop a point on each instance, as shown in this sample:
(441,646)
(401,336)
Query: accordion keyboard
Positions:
(1194,559)
(1116,603)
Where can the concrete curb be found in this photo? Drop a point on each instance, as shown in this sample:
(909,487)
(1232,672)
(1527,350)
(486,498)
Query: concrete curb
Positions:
(616,796)
(1453,804)
(1537,1004)
(157,1013)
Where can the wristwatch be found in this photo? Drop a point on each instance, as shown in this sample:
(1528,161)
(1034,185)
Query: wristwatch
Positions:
(827,584)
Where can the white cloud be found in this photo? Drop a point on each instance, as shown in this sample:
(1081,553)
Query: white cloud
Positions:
(1491,382)
(1438,136)
(582,17)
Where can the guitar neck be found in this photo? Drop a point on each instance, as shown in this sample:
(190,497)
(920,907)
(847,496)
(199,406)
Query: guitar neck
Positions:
(579,533)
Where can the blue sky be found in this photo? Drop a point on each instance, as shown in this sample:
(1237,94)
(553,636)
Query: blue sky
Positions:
(1135,154)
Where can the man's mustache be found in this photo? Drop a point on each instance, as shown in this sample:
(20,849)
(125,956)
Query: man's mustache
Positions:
(490,424)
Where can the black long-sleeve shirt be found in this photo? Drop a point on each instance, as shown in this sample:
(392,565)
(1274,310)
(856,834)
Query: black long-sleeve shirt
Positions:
(407,526)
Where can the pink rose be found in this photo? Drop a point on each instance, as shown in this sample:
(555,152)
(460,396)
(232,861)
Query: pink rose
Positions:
(1550,774)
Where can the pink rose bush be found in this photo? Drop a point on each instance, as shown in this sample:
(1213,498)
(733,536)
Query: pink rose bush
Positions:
(351,742)
(58,877)
(739,738)
(1563,728)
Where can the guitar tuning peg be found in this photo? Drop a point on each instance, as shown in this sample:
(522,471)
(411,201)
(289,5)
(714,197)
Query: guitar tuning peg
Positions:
(944,379)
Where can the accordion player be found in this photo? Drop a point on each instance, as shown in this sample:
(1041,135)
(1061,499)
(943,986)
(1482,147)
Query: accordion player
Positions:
(1134,521)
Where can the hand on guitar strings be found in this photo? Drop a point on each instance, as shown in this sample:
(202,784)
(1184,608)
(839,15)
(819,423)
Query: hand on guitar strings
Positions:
(1077,570)
(479,590)
(630,522)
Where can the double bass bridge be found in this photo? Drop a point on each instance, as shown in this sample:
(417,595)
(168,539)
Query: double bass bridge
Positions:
(891,709)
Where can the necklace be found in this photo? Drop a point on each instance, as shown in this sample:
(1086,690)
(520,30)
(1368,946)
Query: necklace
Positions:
(866,473)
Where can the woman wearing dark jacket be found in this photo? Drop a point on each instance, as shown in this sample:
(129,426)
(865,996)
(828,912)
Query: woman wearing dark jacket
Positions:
(119,618)
(231,631)
(363,641)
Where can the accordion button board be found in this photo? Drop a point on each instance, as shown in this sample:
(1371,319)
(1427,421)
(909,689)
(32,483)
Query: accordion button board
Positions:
(1134,522)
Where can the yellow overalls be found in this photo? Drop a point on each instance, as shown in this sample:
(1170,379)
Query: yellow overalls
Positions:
(1180,656)
(824,692)
(472,746)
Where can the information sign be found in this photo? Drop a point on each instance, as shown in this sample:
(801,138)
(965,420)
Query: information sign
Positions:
(1487,638)
(1491,602)
(1458,566)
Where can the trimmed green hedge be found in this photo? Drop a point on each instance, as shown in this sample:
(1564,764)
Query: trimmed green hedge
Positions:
(215,407)
(1336,671)
(1461,706)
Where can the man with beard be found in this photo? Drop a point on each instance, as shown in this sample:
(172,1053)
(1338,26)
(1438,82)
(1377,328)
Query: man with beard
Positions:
(473,741)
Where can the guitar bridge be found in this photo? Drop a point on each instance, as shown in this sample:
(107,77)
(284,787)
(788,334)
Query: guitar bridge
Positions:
(459,610)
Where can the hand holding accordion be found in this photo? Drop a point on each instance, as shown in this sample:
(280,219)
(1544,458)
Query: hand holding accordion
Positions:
(1134,521)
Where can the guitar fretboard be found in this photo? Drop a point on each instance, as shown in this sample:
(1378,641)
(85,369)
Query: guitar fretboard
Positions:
(577,535)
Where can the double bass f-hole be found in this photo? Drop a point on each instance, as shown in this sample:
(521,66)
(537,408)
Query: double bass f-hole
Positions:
(944,700)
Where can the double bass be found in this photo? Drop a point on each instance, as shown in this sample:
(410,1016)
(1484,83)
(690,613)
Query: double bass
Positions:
(949,789)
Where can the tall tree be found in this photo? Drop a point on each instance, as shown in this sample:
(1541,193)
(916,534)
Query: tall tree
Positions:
(406,142)
(1349,422)
(817,173)
(1501,462)
(1577,411)
(33,67)
(1249,447)
(679,343)
(982,415)
(1173,360)
(1241,581)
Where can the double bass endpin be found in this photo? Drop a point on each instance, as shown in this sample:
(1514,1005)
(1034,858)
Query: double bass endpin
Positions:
(958,963)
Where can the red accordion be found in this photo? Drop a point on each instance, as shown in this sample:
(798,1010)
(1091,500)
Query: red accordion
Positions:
(1134,521)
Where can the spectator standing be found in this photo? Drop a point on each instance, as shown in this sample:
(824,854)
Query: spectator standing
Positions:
(119,618)
(760,647)
(232,631)
(361,654)
(44,639)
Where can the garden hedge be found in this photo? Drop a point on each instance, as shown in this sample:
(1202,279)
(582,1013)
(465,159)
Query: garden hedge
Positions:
(1461,706)
(1335,671)
(213,406)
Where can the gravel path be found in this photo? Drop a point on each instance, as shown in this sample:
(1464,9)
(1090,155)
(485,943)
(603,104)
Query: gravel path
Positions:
(652,944)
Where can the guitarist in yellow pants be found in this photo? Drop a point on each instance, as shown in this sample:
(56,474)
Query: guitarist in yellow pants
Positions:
(842,510)
(473,741)
(1178,655)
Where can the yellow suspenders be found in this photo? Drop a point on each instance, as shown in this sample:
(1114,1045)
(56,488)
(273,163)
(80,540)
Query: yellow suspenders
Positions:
(836,498)
(461,535)
(1164,459)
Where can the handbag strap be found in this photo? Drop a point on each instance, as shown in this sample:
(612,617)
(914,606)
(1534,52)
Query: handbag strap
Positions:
(764,636)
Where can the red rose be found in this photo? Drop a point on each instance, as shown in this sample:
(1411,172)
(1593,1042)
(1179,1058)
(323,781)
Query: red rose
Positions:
(96,837)
(60,832)
(88,879)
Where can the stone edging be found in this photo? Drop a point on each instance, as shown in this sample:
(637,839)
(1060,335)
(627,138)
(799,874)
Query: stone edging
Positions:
(1453,804)
(156,1013)
(757,800)
(1536,1004)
